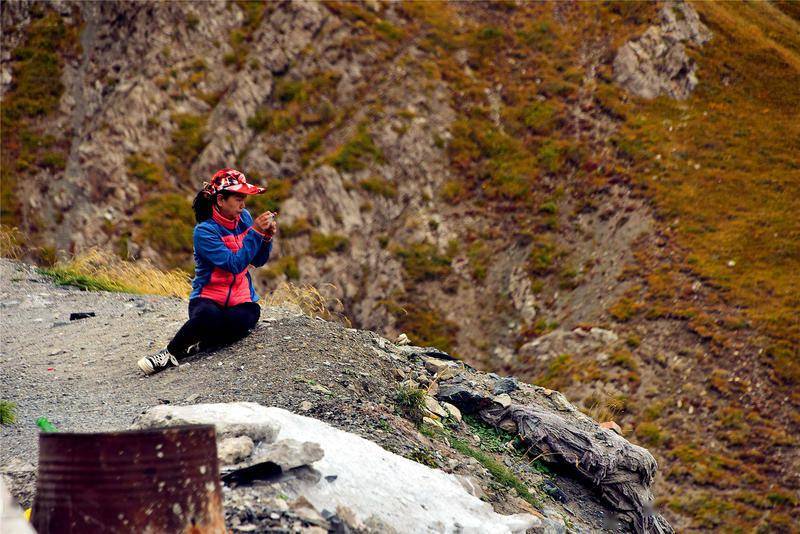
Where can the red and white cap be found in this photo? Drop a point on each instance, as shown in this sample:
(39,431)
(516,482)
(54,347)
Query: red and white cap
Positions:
(231,180)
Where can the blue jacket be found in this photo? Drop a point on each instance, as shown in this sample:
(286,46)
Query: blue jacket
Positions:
(223,249)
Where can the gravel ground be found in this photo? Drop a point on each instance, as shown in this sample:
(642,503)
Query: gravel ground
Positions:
(82,375)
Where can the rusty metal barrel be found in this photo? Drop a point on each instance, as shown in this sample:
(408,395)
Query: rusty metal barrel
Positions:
(155,480)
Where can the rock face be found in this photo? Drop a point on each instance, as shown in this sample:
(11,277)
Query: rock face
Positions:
(656,63)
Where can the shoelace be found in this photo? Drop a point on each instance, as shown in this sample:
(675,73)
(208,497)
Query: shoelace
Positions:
(163,357)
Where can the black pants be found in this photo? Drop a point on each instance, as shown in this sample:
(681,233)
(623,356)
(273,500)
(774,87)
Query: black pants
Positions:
(214,326)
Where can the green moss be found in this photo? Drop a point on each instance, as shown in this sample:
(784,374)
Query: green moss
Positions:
(324,244)
(423,262)
(143,169)
(479,256)
(493,439)
(166,222)
(188,140)
(379,186)
(359,150)
(500,473)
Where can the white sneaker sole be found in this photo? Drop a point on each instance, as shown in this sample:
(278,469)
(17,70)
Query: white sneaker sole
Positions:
(145,366)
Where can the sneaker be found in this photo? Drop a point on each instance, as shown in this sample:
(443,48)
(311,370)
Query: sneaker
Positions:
(193,349)
(157,362)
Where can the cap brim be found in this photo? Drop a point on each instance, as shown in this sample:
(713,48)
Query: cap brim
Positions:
(246,189)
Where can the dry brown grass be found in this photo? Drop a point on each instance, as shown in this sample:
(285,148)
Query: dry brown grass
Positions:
(10,242)
(309,300)
(101,270)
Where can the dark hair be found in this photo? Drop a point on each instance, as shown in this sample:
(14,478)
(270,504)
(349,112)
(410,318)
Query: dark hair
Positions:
(203,204)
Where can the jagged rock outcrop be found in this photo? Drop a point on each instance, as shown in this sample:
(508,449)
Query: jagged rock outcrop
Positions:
(622,472)
(656,63)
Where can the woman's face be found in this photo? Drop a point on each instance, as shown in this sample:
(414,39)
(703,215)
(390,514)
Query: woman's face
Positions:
(232,206)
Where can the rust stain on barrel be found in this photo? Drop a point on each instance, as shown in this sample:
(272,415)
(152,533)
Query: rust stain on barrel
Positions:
(155,480)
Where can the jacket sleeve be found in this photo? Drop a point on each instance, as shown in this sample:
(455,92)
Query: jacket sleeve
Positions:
(208,245)
(262,255)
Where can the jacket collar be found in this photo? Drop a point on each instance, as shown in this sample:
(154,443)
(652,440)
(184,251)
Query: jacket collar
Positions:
(230,224)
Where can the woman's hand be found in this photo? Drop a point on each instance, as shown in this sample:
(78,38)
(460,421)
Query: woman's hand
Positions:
(265,224)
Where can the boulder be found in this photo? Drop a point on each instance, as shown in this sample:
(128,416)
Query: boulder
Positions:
(238,423)
(289,453)
(505,385)
(656,63)
(433,406)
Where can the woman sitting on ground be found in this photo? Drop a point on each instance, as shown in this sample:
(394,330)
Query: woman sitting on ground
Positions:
(222,305)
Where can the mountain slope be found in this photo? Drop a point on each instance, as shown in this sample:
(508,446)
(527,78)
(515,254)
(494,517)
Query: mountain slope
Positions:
(473,176)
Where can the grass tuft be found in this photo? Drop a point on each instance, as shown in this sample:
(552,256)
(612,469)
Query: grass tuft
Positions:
(99,270)
(309,300)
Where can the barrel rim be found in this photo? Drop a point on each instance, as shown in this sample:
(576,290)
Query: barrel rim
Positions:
(124,433)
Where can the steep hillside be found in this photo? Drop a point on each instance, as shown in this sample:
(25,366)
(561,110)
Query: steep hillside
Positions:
(494,179)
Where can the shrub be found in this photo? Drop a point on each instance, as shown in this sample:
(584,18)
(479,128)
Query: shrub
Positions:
(453,191)
(299,227)
(188,140)
(167,223)
(324,244)
(623,358)
(426,326)
(352,155)
(277,190)
(624,309)
(542,258)
(479,255)
(142,169)
(650,433)
(539,117)
(379,186)
(285,265)
(422,262)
